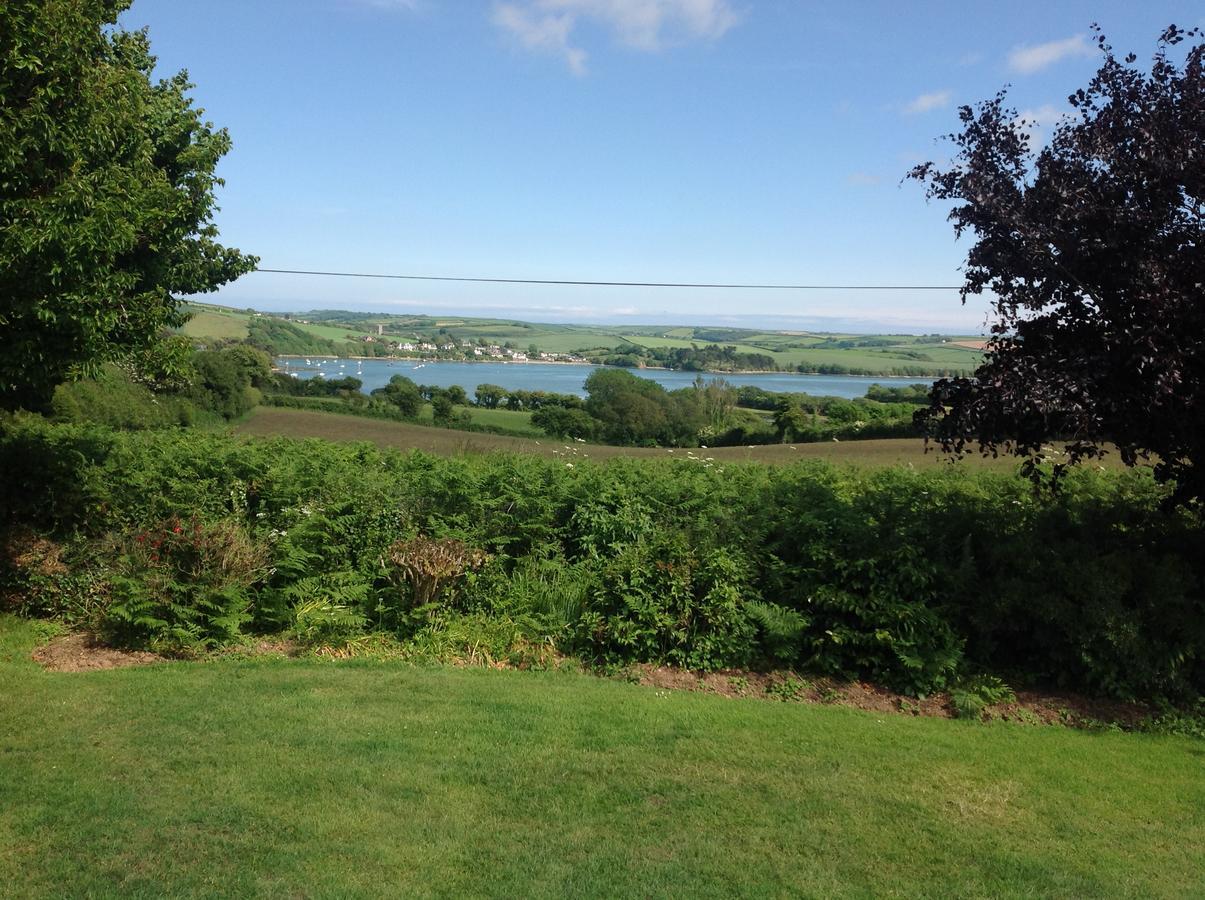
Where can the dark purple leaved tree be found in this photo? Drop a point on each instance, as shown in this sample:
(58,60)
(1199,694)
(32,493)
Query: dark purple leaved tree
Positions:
(1091,250)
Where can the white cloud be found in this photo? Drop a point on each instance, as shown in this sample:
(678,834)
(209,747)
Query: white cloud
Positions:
(1035,122)
(537,31)
(929,102)
(1028,60)
(548,25)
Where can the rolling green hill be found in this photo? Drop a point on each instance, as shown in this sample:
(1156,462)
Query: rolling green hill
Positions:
(897,354)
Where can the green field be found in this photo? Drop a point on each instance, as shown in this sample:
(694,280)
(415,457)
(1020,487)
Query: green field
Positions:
(215,323)
(787,349)
(517,421)
(329,332)
(273,777)
(655,341)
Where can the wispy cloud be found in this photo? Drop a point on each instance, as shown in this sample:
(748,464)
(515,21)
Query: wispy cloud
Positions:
(1029,59)
(548,25)
(928,102)
(538,31)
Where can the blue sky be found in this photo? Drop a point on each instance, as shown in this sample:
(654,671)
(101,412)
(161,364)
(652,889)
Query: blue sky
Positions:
(633,140)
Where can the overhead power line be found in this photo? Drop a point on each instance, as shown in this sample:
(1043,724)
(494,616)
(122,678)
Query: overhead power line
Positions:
(644,284)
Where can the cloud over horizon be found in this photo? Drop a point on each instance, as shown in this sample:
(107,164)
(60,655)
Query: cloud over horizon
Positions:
(649,25)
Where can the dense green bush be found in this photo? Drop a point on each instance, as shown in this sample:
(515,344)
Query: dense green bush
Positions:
(229,381)
(218,385)
(182,585)
(912,578)
(112,397)
(401,393)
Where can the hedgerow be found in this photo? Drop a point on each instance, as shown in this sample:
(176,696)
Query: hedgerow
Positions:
(910,578)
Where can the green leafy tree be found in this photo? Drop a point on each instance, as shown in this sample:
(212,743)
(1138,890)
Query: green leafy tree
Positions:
(226,381)
(402,393)
(634,410)
(106,196)
(489,395)
(443,412)
(558,421)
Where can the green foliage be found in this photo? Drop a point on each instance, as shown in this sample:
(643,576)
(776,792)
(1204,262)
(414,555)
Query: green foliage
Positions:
(971,696)
(780,631)
(228,381)
(42,578)
(910,578)
(280,338)
(658,601)
(443,412)
(480,639)
(489,395)
(634,410)
(402,394)
(1188,722)
(113,398)
(326,609)
(902,643)
(108,196)
(912,393)
(557,421)
(183,586)
(786,690)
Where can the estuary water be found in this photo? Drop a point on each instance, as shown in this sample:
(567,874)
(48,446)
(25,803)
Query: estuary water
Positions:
(561,378)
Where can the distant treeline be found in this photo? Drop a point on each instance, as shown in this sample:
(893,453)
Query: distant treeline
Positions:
(625,409)
(726,358)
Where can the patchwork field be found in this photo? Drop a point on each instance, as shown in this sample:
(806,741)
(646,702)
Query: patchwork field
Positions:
(788,349)
(273,777)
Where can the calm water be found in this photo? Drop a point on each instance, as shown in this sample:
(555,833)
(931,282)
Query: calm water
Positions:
(561,379)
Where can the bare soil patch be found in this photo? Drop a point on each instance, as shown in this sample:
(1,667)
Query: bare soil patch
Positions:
(1030,707)
(84,653)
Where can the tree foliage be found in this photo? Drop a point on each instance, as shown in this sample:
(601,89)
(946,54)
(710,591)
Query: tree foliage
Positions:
(402,393)
(1091,250)
(106,195)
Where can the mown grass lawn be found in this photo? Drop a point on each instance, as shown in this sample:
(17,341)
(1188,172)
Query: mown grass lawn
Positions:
(300,778)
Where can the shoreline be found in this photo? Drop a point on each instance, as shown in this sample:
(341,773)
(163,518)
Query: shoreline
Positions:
(549,362)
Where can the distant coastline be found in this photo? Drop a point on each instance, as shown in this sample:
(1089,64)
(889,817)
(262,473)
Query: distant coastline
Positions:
(426,361)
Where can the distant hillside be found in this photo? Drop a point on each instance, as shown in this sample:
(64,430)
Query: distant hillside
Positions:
(704,348)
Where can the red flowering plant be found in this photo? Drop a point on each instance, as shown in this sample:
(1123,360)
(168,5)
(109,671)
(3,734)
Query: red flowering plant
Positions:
(184,585)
